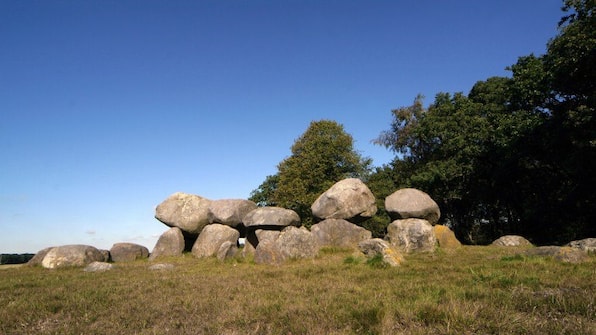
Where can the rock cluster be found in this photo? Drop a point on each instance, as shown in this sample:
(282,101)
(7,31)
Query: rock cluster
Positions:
(77,255)
(273,235)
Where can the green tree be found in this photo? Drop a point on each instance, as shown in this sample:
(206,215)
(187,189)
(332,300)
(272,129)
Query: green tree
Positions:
(322,156)
(517,154)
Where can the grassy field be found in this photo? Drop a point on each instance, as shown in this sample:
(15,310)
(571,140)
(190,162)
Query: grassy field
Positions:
(475,290)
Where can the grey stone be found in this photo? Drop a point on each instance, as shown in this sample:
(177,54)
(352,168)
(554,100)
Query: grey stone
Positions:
(412,203)
(161,267)
(562,254)
(170,243)
(127,252)
(211,239)
(71,256)
(349,199)
(271,217)
(98,267)
(339,233)
(230,212)
(297,243)
(268,252)
(188,212)
(587,244)
(227,250)
(39,256)
(377,246)
(511,241)
(412,235)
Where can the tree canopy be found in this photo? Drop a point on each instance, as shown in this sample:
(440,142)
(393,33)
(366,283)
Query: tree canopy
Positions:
(322,156)
(516,155)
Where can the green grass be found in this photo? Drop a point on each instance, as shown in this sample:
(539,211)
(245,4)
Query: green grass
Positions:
(475,290)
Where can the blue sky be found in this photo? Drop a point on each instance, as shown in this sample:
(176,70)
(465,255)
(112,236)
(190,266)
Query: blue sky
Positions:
(108,107)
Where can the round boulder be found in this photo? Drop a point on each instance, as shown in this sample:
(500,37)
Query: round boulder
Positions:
(412,235)
(188,212)
(349,199)
(230,212)
(72,255)
(511,241)
(126,252)
(271,217)
(339,233)
(170,243)
(412,203)
(211,239)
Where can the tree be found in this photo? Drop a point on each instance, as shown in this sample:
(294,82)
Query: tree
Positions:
(517,154)
(322,156)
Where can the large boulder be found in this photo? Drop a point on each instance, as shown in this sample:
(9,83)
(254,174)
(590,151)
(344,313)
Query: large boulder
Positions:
(39,256)
(587,244)
(126,252)
(271,218)
(339,233)
(290,243)
(188,212)
(211,239)
(376,246)
(445,237)
(562,254)
(412,203)
(349,199)
(297,243)
(268,252)
(170,243)
(72,255)
(230,212)
(511,241)
(226,250)
(412,235)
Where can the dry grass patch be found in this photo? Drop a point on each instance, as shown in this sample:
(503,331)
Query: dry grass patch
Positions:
(475,290)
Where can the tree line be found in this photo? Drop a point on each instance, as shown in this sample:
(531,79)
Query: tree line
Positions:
(516,155)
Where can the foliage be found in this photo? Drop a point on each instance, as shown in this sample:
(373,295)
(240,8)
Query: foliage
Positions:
(477,290)
(516,155)
(322,156)
(15,258)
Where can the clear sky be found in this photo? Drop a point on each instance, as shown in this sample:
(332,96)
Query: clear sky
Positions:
(108,107)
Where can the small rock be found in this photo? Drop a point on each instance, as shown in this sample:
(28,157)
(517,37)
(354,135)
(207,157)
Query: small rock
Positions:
(98,267)
(161,267)
(587,244)
(562,254)
(511,241)
(377,246)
